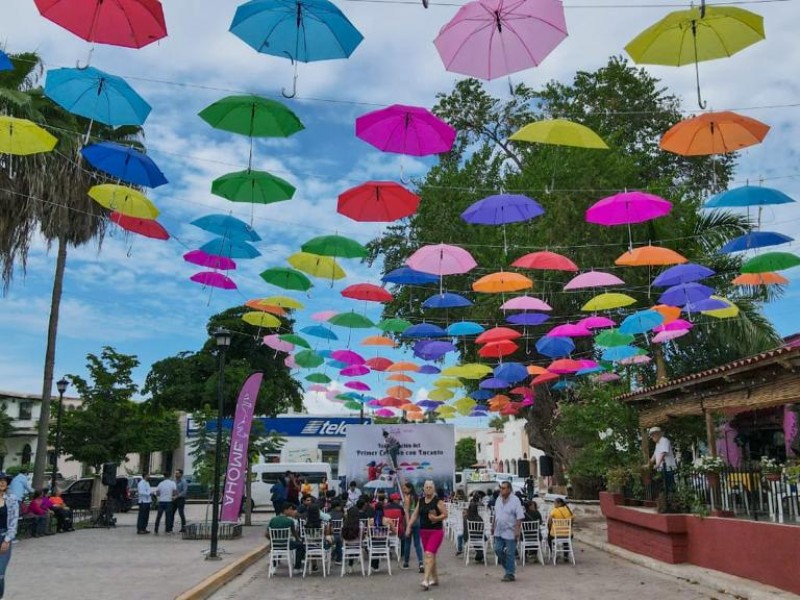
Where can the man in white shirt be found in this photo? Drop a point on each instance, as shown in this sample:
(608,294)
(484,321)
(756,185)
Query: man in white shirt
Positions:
(508,516)
(143,491)
(166,492)
(353,494)
(663,459)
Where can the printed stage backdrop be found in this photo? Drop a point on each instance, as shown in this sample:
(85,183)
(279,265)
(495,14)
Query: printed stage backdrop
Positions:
(426,451)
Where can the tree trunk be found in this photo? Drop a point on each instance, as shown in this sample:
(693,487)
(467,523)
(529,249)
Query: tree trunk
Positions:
(49,365)
(661,364)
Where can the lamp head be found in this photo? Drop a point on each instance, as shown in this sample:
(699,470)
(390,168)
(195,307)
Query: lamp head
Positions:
(223,337)
(62,385)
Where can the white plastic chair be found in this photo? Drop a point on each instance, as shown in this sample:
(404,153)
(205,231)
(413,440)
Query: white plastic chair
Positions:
(474,539)
(280,548)
(314,542)
(531,540)
(378,547)
(394,536)
(353,549)
(562,539)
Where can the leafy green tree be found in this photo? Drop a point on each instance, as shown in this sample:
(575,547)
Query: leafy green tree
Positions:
(6,429)
(466,453)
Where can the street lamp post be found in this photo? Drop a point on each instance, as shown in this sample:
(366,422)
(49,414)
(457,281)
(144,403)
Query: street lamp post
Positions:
(61,386)
(223,338)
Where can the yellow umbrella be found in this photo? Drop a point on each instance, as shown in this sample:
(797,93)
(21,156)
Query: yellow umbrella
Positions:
(608,301)
(468,371)
(496,283)
(448,382)
(378,340)
(324,267)
(723,313)
(282,301)
(440,394)
(559,132)
(464,405)
(124,200)
(261,319)
(21,137)
(445,410)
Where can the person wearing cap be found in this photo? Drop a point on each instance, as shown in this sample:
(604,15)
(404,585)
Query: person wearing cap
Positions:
(9,515)
(663,460)
(394,510)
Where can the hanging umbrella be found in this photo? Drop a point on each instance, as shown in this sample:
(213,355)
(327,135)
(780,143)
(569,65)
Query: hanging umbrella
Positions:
(255,187)
(673,325)
(442,259)
(394,325)
(618,353)
(228,227)
(432,350)
(641,322)
(358,386)
(286,278)
(564,366)
(511,372)
(613,337)
(497,334)
(368,292)
(496,283)
(378,363)
(755,239)
(334,245)
(569,330)
(685,293)
(283,302)
(495,383)
(747,195)
(525,303)
(593,279)
(319,331)
(730,310)
(527,318)
(713,133)
(204,259)
(555,347)
(683,273)
(544,378)
(410,130)
(545,261)
(709,304)
(351,320)
(670,313)
(498,349)
(424,330)
(429,370)
(354,371)
(408,276)
(608,301)
(96,95)
(124,163)
(448,382)
(488,39)
(21,137)
(401,377)
(766,278)
(260,319)
(318,378)
(464,328)
(403,365)
(5,62)
(273,310)
(399,391)
(665,336)
(468,371)
(596,322)
(324,315)
(384,413)
(627,208)
(559,132)
(126,23)
(502,209)
(275,342)
(123,200)
(689,36)
(308,359)
(377,202)
(295,339)
(348,357)
(146,227)
(252,116)
(645,256)
(230,248)
(378,340)
(324,267)
(771,261)
(446,300)
(481,395)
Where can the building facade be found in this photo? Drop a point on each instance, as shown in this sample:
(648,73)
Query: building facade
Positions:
(504,450)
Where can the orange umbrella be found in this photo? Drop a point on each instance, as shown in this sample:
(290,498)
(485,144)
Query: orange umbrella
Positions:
(378,340)
(268,308)
(403,365)
(415,415)
(650,256)
(713,133)
(496,283)
(497,334)
(391,401)
(400,377)
(536,370)
(399,391)
(670,313)
(760,279)
(500,399)
(411,407)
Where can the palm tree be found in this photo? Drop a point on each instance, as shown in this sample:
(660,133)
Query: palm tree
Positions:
(47,195)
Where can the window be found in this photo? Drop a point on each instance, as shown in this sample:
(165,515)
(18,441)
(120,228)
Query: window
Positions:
(315,477)
(25,410)
(26,454)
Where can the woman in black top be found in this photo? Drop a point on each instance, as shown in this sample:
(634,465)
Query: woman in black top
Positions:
(9,514)
(431,512)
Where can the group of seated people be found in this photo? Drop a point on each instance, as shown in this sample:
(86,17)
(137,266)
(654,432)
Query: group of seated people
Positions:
(39,509)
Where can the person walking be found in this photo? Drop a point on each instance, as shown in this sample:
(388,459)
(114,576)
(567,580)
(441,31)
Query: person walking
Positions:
(144,494)
(410,501)
(166,492)
(431,512)
(9,516)
(182,488)
(663,459)
(508,516)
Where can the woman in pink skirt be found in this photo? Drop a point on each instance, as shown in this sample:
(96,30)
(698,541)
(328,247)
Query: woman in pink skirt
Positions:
(431,513)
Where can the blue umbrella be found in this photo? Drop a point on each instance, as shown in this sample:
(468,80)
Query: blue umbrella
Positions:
(479,411)
(617,353)
(755,239)
(124,163)
(424,330)
(590,370)
(408,276)
(96,95)
(229,248)
(494,383)
(481,395)
(748,195)
(511,372)
(563,385)
(465,328)
(5,62)
(432,349)
(555,347)
(685,293)
(502,209)
(337,364)
(429,370)
(685,273)
(446,300)
(325,353)
(640,322)
(227,227)
(320,331)
(527,318)
(429,404)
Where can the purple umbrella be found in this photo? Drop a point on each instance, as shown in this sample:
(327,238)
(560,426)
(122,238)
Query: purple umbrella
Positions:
(214,279)
(348,356)
(429,404)
(627,208)
(432,350)
(410,130)
(502,209)
(527,318)
(429,370)
(493,38)
(354,371)
(685,273)
(494,383)
(685,293)
(210,261)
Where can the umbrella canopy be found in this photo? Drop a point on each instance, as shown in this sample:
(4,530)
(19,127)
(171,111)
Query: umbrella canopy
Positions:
(496,334)
(123,200)
(527,318)
(351,320)
(525,303)
(358,386)
(555,347)
(127,23)
(348,357)
(766,278)
(324,315)
(670,313)
(399,391)
(665,336)
(569,330)
(302,30)
(647,256)
(429,370)
(319,331)
(402,377)
(488,39)
(286,278)
(613,337)
(446,300)
(565,366)
(368,292)
(502,209)
(596,322)
(377,202)
(408,276)
(228,227)
(402,129)
(204,259)
(378,363)
(283,302)
(424,330)
(545,261)
(324,267)
(709,304)
(619,353)
(354,371)
(468,371)
(771,261)
(593,279)
(683,273)
(747,195)
(403,365)
(432,350)
(230,248)
(559,132)
(308,359)
(546,377)
(252,116)
(96,95)
(378,340)
(146,227)
(730,309)
(511,372)
(276,343)
(318,378)
(685,293)
(713,133)
(627,208)
(608,301)
(334,245)
(498,349)
(465,328)
(495,383)
(755,239)
(260,319)
(124,163)
(496,283)
(256,303)
(673,325)
(21,137)
(384,413)
(448,382)
(442,259)
(255,187)
(394,325)
(5,62)
(642,321)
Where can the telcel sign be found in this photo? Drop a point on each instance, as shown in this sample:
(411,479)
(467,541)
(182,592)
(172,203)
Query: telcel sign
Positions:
(304,426)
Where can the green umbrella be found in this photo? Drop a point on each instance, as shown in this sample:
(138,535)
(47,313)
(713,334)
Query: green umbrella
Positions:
(318,378)
(771,261)
(295,339)
(353,405)
(335,245)
(351,320)
(252,116)
(308,359)
(394,325)
(258,187)
(613,337)
(286,278)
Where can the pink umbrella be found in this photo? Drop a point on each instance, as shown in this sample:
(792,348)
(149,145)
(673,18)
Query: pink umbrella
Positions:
(569,330)
(401,129)
(385,413)
(359,386)
(493,38)
(627,208)
(318,387)
(210,261)
(639,359)
(324,315)
(214,279)
(607,377)
(354,371)
(276,343)
(665,336)
(442,259)
(348,356)
(525,303)
(593,279)
(596,322)
(289,362)
(374,403)
(588,364)
(676,325)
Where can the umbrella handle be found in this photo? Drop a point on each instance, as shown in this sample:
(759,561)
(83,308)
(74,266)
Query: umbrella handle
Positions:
(294,81)
(88,60)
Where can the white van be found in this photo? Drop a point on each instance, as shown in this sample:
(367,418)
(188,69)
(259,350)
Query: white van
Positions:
(264,475)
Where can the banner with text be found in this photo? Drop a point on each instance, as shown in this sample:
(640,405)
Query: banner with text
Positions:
(419,452)
(236,473)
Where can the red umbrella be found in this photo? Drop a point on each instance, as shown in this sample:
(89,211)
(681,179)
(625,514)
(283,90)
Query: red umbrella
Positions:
(128,23)
(392,401)
(146,227)
(367,291)
(498,349)
(497,334)
(544,378)
(378,363)
(378,202)
(549,261)
(563,366)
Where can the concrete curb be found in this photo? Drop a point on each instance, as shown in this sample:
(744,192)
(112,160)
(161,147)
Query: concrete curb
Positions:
(732,585)
(211,584)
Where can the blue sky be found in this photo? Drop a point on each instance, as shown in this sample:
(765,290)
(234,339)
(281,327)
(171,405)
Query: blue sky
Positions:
(134,294)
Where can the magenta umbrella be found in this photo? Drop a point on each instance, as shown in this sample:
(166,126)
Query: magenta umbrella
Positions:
(593,279)
(596,322)
(359,386)
(569,330)
(493,38)
(348,356)
(442,259)
(276,343)
(385,413)
(525,303)
(410,130)
(675,325)
(627,208)
(354,371)
(210,261)
(214,279)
